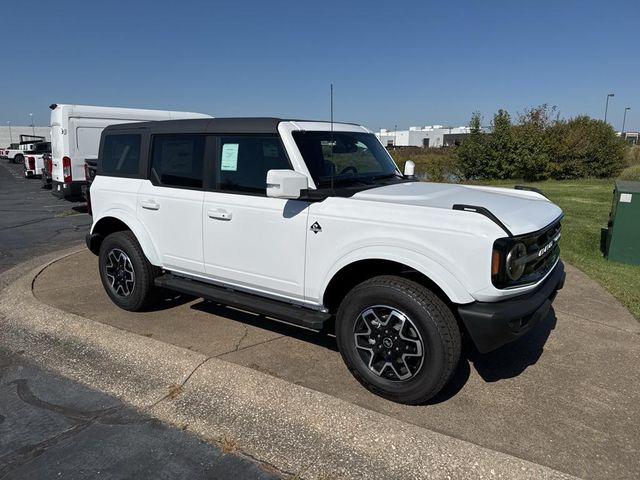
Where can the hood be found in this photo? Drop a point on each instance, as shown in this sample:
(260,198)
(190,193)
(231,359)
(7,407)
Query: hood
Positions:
(521,211)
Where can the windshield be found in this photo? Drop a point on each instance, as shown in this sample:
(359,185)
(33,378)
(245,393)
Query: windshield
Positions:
(349,156)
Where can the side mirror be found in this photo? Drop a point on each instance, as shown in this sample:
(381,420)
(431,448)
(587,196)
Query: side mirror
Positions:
(409,168)
(286,183)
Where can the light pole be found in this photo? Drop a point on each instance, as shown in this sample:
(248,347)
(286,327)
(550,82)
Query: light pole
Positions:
(606,107)
(33,129)
(10,136)
(624,119)
(395,135)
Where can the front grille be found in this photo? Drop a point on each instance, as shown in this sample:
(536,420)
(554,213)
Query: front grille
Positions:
(543,250)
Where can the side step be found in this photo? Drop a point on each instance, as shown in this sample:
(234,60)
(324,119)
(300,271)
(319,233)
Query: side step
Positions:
(272,308)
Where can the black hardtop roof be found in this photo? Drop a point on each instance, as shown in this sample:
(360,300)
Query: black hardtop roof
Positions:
(209,125)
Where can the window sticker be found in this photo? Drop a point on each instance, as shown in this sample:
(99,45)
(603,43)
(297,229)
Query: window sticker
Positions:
(229,160)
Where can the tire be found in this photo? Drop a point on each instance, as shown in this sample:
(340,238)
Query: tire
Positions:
(18,159)
(125,272)
(398,314)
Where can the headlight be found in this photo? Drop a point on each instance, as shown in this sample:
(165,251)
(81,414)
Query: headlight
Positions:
(514,268)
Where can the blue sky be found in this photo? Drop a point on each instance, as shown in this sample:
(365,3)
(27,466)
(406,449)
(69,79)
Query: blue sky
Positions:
(393,62)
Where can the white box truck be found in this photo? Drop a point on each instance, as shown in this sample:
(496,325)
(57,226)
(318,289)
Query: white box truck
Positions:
(75,136)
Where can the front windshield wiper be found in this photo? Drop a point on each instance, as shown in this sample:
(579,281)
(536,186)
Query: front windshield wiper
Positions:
(366,180)
(386,175)
(343,180)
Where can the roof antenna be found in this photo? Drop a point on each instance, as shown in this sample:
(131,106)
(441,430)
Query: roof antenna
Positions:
(331,145)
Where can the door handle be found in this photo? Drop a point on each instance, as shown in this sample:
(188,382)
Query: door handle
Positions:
(219,214)
(150,204)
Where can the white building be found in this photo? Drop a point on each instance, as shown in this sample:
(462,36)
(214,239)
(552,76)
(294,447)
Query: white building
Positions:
(427,136)
(632,138)
(12,134)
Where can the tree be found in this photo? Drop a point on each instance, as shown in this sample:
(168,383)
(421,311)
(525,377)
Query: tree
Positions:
(531,158)
(472,154)
(501,147)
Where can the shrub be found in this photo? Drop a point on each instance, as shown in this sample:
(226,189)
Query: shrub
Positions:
(531,160)
(432,164)
(632,155)
(584,147)
(631,173)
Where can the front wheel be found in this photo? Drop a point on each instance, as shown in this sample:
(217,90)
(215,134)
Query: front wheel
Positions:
(398,339)
(125,272)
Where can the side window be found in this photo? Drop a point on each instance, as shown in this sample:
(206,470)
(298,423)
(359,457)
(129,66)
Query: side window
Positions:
(245,160)
(177,160)
(121,155)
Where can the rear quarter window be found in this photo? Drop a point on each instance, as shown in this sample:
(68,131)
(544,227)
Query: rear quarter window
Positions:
(121,155)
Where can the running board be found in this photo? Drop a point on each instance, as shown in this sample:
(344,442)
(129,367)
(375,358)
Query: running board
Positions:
(271,308)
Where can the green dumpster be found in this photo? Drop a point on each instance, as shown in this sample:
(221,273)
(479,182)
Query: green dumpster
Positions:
(620,241)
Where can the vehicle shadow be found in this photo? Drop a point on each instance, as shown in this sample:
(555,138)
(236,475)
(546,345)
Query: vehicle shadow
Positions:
(514,358)
(80,208)
(168,299)
(322,339)
(507,361)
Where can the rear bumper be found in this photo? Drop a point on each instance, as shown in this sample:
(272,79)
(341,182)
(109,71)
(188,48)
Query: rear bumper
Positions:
(46,180)
(66,190)
(491,325)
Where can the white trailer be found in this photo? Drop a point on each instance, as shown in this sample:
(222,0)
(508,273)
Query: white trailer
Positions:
(75,136)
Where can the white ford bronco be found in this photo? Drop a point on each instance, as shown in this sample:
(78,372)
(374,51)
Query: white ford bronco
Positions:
(313,223)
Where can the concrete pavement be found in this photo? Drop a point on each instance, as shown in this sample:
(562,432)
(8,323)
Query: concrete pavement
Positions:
(297,429)
(565,396)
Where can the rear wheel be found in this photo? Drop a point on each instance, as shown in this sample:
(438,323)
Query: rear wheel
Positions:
(398,339)
(125,272)
(18,159)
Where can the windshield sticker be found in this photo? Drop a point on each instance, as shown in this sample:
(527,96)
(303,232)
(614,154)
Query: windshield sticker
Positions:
(229,161)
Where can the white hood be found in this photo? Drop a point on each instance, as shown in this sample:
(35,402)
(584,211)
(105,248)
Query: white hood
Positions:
(521,211)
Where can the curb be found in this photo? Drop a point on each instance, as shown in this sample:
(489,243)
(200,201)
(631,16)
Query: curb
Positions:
(291,427)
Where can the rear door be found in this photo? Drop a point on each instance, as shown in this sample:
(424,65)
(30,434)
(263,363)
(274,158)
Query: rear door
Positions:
(58,150)
(170,200)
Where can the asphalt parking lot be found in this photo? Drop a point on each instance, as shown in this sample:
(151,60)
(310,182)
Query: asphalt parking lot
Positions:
(564,396)
(33,221)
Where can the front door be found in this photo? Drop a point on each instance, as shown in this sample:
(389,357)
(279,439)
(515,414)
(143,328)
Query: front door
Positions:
(170,203)
(252,241)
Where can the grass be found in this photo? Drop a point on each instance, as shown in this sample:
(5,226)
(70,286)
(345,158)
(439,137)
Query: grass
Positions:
(586,204)
(228,444)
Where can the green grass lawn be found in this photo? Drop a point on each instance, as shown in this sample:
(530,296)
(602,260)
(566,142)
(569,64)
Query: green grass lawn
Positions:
(586,205)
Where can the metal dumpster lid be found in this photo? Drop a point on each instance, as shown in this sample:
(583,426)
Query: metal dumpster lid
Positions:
(626,186)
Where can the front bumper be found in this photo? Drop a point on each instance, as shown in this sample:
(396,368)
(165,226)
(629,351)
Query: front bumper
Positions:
(491,325)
